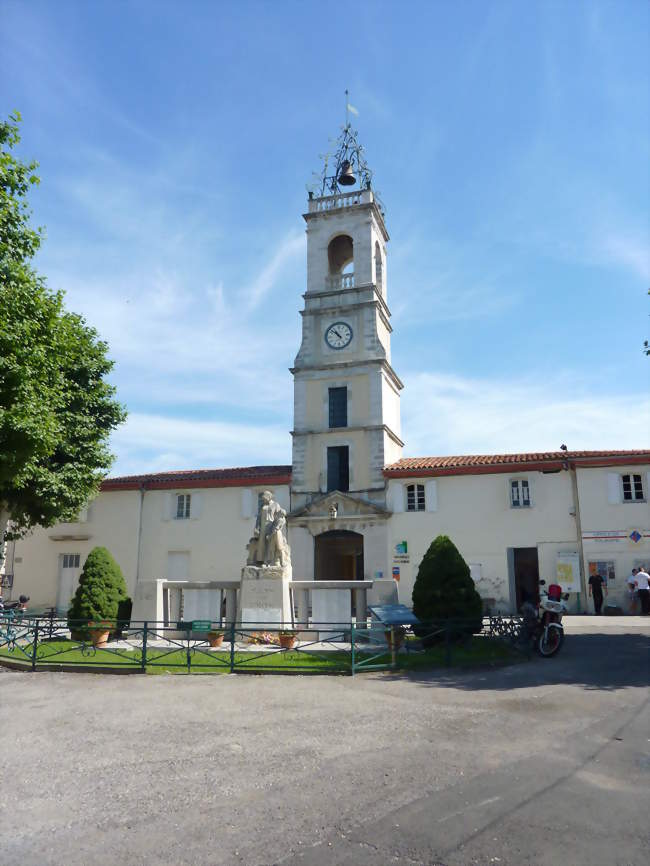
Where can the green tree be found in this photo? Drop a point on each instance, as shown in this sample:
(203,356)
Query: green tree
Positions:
(56,408)
(101,590)
(444,590)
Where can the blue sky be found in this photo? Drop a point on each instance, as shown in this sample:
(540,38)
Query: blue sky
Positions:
(510,144)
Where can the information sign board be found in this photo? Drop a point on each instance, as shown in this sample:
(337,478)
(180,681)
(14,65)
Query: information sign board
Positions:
(393,614)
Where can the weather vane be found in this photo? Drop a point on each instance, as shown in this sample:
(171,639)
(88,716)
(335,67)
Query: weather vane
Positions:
(347,158)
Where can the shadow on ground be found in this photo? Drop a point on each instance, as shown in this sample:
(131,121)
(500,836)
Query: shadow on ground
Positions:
(594,661)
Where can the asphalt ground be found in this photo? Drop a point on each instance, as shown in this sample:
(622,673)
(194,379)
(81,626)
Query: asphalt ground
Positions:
(539,763)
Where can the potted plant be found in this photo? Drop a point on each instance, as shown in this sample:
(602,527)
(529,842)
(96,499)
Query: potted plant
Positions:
(93,612)
(287,638)
(99,632)
(215,638)
(445,599)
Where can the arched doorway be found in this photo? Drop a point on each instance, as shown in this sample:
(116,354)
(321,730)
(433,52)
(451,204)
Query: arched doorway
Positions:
(338,555)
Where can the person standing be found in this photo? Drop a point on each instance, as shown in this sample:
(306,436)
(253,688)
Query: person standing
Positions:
(643,588)
(632,590)
(596,583)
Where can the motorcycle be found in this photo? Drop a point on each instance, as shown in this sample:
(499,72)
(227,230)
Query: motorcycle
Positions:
(543,622)
(20,604)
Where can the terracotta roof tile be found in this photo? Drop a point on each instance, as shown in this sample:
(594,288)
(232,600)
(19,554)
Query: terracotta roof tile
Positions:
(467,462)
(234,477)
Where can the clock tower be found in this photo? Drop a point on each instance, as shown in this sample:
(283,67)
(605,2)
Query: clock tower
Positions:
(346,393)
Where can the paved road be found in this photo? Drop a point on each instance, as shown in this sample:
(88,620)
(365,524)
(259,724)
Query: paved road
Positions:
(546,763)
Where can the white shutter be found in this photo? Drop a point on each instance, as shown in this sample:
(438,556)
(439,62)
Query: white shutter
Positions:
(196,505)
(431,495)
(246,503)
(396,497)
(613,488)
(531,491)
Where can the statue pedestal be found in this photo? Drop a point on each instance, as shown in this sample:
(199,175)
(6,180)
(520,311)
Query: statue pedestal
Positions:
(264,598)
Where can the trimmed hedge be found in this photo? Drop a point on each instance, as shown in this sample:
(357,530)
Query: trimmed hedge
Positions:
(101,594)
(444,590)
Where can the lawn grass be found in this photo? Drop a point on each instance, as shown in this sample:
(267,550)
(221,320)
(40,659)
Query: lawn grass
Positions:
(478,651)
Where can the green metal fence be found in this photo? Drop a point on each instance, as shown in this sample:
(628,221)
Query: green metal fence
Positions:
(49,642)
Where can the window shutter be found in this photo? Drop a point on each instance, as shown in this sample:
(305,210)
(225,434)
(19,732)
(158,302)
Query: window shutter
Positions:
(647,486)
(397,493)
(531,491)
(246,503)
(431,495)
(613,488)
(196,506)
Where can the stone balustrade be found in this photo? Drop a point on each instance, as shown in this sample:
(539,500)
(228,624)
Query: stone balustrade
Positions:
(330,601)
(171,598)
(340,281)
(343,199)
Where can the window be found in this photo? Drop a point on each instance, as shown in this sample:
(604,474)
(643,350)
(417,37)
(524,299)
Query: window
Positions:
(520,494)
(632,488)
(415,497)
(70,560)
(338,400)
(338,468)
(605,568)
(183,504)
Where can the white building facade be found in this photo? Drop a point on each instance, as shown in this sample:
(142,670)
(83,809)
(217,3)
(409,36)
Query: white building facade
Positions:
(357,509)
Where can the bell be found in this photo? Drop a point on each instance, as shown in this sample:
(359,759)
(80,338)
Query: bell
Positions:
(346,177)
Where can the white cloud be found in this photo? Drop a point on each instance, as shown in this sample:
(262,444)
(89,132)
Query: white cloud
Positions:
(291,248)
(154,442)
(630,251)
(443,414)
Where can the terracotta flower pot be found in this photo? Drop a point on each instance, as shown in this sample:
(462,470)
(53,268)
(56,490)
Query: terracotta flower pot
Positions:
(99,636)
(215,639)
(287,641)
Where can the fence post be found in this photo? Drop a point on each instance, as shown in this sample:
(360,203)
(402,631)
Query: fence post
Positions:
(188,654)
(232,646)
(352,659)
(143,660)
(35,646)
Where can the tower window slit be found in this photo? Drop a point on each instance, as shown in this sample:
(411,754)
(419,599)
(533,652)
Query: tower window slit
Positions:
(338,407)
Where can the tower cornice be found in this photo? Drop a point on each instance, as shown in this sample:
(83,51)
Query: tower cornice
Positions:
(362,200)
(350,365)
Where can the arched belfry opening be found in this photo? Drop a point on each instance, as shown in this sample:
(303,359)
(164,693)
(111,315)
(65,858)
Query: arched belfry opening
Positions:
(338,555)
(340,253)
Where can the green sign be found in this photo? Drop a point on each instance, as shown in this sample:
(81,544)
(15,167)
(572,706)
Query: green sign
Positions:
(201,625)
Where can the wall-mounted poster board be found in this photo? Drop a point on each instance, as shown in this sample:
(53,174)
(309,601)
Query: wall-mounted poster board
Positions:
(568,570)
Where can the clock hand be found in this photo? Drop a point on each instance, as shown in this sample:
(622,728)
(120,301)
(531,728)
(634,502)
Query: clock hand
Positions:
(337,334)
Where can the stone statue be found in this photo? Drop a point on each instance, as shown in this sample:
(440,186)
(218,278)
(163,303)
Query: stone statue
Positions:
(334,510)
(269,545)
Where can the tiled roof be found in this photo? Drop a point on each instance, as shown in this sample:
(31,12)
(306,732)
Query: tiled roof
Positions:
(237,477)
(468,463)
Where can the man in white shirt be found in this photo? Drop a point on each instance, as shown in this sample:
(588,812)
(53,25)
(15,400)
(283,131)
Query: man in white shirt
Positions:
(642,582)
(631,590)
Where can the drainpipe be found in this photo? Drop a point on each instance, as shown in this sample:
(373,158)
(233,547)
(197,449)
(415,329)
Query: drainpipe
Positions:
(137,560)
(576,502)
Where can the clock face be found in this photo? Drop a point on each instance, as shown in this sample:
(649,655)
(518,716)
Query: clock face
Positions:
(338,335)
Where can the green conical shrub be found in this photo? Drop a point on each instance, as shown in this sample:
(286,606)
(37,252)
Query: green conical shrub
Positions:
(444,590)
(101,590)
